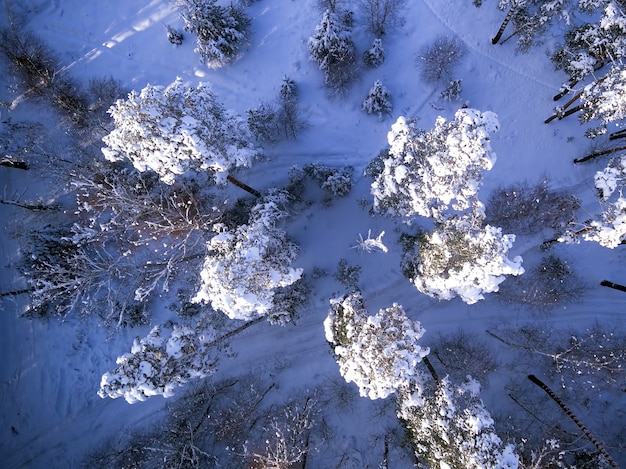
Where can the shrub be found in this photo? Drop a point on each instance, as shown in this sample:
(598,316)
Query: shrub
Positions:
(524,209)
(438,60)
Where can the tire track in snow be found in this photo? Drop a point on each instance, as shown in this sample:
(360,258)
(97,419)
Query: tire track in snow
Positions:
(443,20)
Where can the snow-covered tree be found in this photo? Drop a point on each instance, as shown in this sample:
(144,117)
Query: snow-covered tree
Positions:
(375,55)
(177,129)
(461,257)
(605,100)
(590,46)
(609,227)
(378,100)
(221,31)
(426,172)
(378,353)
(158,363)
(245,266)
(450,427)
(332,49)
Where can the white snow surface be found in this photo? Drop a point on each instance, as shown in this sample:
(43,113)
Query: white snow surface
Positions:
(51,413)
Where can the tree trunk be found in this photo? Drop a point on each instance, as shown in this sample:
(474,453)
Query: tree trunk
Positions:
(243,186)
(504,24)
(618,134)
(432,370)
(599,153)
(616,286)
(16,292)
(571,415)
(570,85)
(40,207)
(13,164)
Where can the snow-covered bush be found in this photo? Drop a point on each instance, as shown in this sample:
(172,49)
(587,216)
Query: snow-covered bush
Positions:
(438,60)
(452,91)
(378,353)
(175,37)
(221,31)
(449,427)
(337,181)
(246,265)
(426,172)
(461,257)
(375,55)
(176,129)
(158,364)
(378,100)
(332,49)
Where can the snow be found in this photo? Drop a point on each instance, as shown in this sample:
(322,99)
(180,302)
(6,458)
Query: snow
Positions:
(51,413)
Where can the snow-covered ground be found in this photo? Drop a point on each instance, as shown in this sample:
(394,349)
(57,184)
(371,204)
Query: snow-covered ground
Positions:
(51,415)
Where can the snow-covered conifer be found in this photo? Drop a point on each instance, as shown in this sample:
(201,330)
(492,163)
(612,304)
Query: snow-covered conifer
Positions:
(158,364)
(246,265)
(375,55)
(461,257)
(332,49)
(605,100)
(378,353)
(608,228)
(426,172)
(221,31)
(450,427)
(378,100)
(175,129)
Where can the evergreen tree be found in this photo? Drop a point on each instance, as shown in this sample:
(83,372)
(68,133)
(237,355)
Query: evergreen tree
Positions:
(375,55)
(177,129)
(332,49)
(426,172)
(378,100)
(220,31)
(247,265)
(378,353)
(461,257)
(449,426)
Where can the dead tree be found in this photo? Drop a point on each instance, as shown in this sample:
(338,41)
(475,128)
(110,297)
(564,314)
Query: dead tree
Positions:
(575,419)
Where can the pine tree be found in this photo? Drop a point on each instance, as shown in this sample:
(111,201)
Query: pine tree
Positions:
(375,55)
(461,257)
(378,353)
(176,129)
(427,172)
(332,49)
(220,31)
(449,426)
(378,100)
(247,265)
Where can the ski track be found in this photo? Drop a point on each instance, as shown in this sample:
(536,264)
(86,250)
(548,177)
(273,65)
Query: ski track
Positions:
(469,43)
